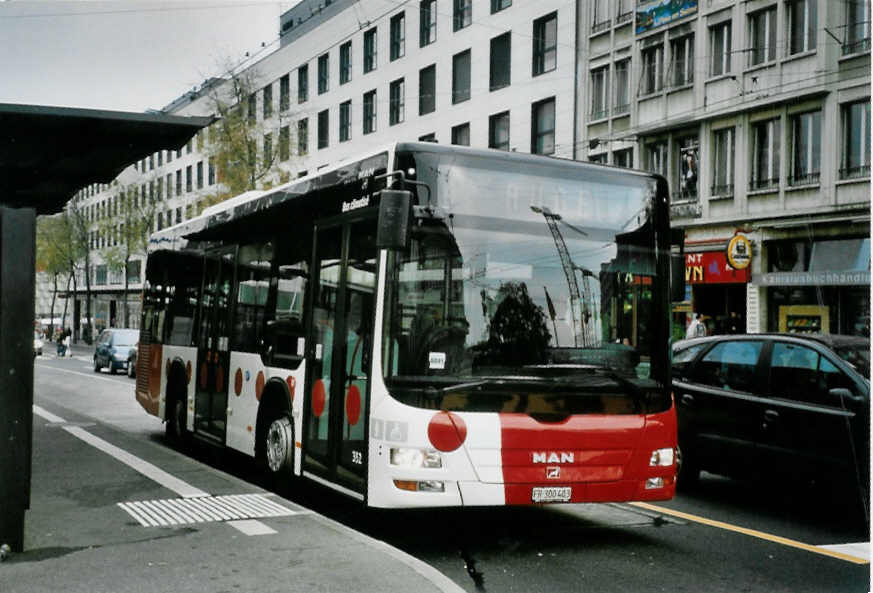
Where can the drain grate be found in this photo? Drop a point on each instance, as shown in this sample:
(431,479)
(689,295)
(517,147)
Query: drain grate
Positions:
(204,509)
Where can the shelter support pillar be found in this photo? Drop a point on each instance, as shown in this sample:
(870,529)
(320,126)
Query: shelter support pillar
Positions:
(17,288)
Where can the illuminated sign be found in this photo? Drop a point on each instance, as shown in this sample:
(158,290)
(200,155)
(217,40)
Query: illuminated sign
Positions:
(739,252)
(654,13)
(712,267)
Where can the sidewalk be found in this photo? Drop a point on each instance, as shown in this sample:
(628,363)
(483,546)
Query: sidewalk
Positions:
(83,535)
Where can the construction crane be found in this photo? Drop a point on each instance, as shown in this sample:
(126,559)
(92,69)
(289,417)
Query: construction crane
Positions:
(580,308)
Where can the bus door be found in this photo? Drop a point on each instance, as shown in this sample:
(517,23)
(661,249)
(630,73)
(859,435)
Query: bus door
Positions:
(213,352)
(343,300)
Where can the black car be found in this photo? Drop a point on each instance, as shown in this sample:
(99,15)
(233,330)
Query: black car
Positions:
(770,404)
(113,349)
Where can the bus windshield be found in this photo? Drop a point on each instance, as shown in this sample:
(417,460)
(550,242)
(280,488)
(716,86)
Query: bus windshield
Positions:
(549,281)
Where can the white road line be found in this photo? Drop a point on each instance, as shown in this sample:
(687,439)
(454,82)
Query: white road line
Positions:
(89,375)
(251,527)
(147,469)
(860,549)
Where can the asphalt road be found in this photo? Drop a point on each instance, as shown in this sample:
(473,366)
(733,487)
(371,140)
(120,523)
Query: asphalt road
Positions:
(726,535)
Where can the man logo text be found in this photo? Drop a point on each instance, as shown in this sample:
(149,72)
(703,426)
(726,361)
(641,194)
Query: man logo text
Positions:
(553,457)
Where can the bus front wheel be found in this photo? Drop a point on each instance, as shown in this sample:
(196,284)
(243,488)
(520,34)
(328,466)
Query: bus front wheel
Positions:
(279,446)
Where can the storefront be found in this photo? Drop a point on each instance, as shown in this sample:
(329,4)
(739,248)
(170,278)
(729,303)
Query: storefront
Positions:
(818,286)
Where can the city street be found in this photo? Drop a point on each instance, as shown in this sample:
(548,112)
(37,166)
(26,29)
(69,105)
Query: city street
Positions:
(725,536)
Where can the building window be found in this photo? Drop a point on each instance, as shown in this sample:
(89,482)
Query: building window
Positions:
(178,215)
(623,158)
(498,5)
(169,188)
(720,49)
(762,35)
(622,87)
(323,128)
(545,44)
(656,158)
(651,77)
(345,52)
(765,155)
(498,131)
(427,22)
(303,136)
(600,159)
(252,108)
(396,102)
(427,90)
(501,52)
(805,148)
(624,11)
(600,93)
(688,151)
(461,134)
(268,101)
(268,150)
(462,14)
(323,73)
(722,162)
(284,143)
(682,62)
(210,174)
(199,178)
(857,37)
(397,47)
(160,158)
(542,134)
(461,77)
(370,50)
(802,24)
(284,93)
(856,140)
(602,18)
(189,181)
(428,138)
(303,83)
(370,112)
(345,121)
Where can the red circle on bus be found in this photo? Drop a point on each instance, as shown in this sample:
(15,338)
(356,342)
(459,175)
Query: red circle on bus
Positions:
(319,398)
(353,405)
(204,375)
(259,385)
(188,372)
(292,384)
(219,379)
(446,431)
(237,382)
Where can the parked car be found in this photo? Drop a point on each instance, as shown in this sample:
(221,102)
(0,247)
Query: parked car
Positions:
(775,404)
(113,349)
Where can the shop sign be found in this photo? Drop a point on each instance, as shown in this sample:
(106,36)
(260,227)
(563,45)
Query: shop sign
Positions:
(712,267)
(854,278)
(654,13)
(739,252)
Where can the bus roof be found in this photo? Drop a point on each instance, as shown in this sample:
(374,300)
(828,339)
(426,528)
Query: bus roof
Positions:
(223,214)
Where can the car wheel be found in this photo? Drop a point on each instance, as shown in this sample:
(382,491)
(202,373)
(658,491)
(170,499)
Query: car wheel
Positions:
(131,368)
(279,446)
(112,369)
(96,365)
(688,470)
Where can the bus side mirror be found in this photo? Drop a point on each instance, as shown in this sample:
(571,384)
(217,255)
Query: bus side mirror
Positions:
(395,219)
(677,277)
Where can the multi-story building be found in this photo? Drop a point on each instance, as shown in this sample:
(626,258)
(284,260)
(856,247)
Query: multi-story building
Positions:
(757,112)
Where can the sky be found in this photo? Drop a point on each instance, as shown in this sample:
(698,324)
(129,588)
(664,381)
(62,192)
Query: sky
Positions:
(129,55)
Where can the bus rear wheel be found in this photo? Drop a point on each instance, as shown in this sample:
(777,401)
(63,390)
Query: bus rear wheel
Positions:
(279,446)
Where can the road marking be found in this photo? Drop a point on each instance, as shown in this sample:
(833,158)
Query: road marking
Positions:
(252,527)
(860,549)
(147,469)
(121,378)
(229,507)
(823,550)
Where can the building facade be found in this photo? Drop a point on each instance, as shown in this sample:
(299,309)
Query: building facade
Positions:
(757,113)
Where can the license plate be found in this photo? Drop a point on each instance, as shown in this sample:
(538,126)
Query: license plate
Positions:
(551,494)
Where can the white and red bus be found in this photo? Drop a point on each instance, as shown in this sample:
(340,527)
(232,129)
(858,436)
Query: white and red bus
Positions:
(426,326)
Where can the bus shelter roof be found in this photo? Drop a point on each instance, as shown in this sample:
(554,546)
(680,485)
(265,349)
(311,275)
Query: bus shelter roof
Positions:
(49,153)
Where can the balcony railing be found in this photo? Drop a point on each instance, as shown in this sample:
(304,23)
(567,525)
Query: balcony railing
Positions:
(621,109)
(856,47)
(763,184)
(721,190)
(808,179)
(855,172)
(601,26)
(624,17)
(599,114)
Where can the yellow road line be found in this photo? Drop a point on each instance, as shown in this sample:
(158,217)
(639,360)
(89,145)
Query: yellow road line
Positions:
(753,533)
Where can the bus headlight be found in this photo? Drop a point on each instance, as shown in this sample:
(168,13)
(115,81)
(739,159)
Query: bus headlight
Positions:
(404,457)
(661,457)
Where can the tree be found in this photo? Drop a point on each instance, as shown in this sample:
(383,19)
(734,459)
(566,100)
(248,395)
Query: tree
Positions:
(80,255)
(54,252)
(234,139)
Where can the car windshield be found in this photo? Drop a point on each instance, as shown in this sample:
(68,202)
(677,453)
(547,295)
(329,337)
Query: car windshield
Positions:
(857,355)
(123,338)
(551,292)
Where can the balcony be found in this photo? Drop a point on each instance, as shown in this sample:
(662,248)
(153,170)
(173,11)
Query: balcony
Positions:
(764,184)
(807,179)
(599,114)
(624,17)
(621,109)
(856,47)
(601,27)
(858,172)
(721,190)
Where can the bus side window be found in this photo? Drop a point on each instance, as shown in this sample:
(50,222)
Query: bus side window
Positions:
(253,281)
(283,339)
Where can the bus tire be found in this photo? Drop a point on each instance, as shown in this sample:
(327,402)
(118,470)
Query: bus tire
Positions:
(278,446)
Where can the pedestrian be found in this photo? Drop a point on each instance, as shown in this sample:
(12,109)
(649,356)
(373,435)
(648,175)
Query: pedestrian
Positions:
(67,334)
(733,323)
(696,328)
